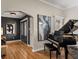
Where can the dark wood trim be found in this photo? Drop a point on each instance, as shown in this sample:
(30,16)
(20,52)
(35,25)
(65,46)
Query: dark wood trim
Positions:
(29,30)
(38,26)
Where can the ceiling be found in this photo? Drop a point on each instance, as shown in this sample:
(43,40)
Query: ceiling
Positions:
(61,4)
(14,14)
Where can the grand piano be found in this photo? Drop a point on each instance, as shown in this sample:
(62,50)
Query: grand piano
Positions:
(62,37)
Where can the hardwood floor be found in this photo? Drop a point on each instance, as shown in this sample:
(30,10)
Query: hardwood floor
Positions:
(19,50)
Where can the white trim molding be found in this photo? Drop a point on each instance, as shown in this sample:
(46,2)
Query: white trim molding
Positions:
(57,6)
(13,41)
(37,49)
(24,20)
(54,5)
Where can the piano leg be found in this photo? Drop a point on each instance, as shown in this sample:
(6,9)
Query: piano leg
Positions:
(57,53)
(50,54)
(44,47)
(66,52)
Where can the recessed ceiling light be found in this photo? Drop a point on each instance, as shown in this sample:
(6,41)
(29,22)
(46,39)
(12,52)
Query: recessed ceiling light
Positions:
(13,13)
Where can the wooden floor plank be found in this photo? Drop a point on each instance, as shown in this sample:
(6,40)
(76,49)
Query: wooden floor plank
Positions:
(19,50)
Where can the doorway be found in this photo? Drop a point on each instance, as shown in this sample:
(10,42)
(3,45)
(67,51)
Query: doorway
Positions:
(24,30)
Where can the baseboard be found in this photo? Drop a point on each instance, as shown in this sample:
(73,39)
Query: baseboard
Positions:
(37,50)
(29,45)
(13,41)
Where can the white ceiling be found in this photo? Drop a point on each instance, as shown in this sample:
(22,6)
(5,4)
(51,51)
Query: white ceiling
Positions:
(62,4)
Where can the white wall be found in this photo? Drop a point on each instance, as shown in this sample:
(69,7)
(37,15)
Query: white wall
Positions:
(71,13)
(32,7)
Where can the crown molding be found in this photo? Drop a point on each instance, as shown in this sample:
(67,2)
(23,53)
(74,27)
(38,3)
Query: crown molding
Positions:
(70,7)
(56,6)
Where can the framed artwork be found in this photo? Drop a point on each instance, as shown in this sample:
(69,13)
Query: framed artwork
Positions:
(10,28)
(59,22)
(44,27)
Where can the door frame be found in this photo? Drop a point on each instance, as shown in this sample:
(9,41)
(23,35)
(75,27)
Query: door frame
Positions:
(27,19)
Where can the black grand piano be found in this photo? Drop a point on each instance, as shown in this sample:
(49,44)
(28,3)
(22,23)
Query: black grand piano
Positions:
(62,38)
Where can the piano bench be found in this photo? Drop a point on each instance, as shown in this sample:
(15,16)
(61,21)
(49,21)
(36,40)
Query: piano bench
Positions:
(51,48)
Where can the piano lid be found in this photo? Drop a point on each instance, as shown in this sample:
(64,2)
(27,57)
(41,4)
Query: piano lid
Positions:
(68,26)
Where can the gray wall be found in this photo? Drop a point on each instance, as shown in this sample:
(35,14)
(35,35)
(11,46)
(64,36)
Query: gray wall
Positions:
(5,21)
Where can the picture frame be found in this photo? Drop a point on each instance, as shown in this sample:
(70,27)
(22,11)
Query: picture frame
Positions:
(59,22)
(44,27)
(10,28)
